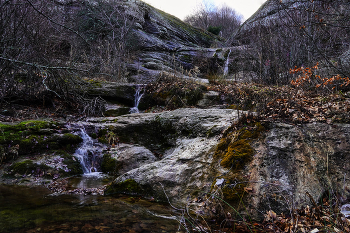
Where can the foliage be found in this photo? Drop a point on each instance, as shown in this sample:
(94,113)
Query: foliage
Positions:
(308,75)
(38,69)
(296,34)
(172,92)
(223,19)
(284,103)
(214,30)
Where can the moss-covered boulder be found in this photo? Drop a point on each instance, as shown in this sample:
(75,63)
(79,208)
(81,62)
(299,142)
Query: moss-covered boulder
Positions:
(29,137)
(50,166)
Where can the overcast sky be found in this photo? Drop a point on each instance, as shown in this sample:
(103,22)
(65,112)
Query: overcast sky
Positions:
(182,8)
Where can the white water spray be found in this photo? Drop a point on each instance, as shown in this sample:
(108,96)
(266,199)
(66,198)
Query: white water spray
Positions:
(137,99)
(89,153)
(227,63)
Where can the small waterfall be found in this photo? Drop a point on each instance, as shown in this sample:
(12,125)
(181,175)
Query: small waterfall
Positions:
(227,63)
(89,153)
(138,96)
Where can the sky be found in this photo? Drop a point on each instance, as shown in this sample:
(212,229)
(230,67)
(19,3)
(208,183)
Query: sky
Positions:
(182,8)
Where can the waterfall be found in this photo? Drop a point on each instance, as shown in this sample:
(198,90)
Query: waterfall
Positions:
(137,98)
(227,63)
(89,153)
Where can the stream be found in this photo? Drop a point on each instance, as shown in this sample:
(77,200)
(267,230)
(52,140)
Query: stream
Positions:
(24,209)
(36,209)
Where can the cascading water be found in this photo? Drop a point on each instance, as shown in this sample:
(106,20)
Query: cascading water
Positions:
(138,96)
(227,63)
(89,153)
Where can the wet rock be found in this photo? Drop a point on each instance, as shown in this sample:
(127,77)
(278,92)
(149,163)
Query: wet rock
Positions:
(129,157)
(121,92)
(184,166)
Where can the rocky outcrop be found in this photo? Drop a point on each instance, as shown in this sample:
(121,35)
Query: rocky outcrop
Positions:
(292,165)
(296,164)
(129,157)
(165,42)
(120,92)
(183,140)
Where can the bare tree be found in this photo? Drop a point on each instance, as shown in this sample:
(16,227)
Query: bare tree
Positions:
(300,33)
(224,18)
(47,46)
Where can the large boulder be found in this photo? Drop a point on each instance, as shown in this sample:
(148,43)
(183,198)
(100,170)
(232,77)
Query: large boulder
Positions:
(129,157)
(183,141)
(296,165)
(277,166)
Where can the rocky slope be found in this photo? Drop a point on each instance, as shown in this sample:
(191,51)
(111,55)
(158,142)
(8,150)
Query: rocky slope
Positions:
(165,42)
(173,156)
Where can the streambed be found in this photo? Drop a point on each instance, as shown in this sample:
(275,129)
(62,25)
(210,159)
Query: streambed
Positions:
(77,204)
(24,209)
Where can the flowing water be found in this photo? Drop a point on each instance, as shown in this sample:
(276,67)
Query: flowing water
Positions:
(137,99)
(227,64)
(89,153)
(24,209)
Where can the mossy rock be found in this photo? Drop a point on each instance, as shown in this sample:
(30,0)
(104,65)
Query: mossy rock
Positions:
(30,137)
(117,112)
(234,148)
(238,154)
(109,165)
(129,187)
(73,165)
(252,132)
(15,133)
(38,143)
(234,194)
(27,167)
(71,139)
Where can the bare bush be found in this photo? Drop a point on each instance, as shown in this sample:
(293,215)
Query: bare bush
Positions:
(300,33)
(47,46)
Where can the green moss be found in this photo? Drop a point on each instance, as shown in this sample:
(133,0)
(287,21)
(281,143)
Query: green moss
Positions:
(235,106)
(73,165)
(21,167)
(234,148)
(238,154)
(27,167)
(15,133)
(109,165)
(117,112)
(31,137)
(233,194)
(69,138)
(129,187)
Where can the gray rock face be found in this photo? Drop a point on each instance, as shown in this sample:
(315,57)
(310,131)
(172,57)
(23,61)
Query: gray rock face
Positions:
(181,173)
(163,39)
(269,12)
(296,162)
(159,131)
(291,164)
(121,92)
(129,157)
(184,141)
